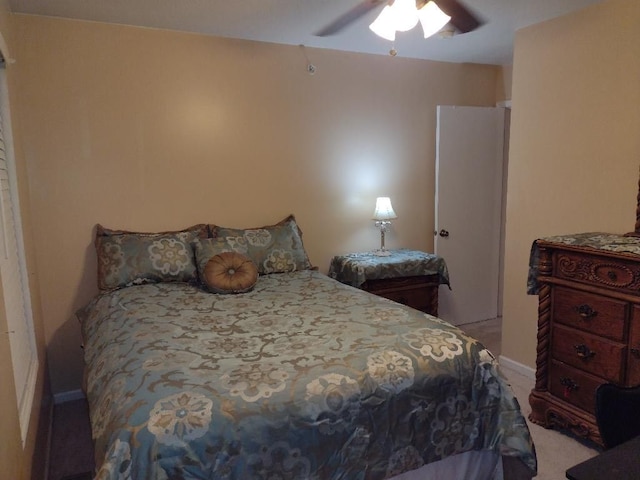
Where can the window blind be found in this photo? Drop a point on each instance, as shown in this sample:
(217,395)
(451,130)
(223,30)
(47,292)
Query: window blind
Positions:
(14,280)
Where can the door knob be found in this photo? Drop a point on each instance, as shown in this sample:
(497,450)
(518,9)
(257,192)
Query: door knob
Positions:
(444,233)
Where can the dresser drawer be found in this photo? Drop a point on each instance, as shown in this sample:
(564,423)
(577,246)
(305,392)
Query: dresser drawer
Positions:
(415,297)
(597,314)
(382,284)
(633,365)
(592,354)
(617,274)
(419,292)
(573,386)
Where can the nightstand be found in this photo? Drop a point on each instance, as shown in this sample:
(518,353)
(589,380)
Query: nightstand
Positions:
(405,276)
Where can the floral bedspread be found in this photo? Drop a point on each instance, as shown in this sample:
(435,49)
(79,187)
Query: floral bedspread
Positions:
(301,378)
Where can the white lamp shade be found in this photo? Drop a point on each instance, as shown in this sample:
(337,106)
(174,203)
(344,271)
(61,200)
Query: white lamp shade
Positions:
(432,19)
(405,15)
(399,17)
(383,26)
(384,210)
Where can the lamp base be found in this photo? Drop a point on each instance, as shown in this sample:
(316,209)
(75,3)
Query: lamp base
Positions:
(382,253)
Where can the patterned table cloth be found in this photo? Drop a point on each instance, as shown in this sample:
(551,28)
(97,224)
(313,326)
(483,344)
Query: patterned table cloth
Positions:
(609,242)
(356,268)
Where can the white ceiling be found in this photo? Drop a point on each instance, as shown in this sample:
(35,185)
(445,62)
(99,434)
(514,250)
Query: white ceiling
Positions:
(294,21)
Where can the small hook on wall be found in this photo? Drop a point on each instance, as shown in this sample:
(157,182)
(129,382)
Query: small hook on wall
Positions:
(311,68)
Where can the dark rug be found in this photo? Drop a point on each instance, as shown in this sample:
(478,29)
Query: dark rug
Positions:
(81,476)
(71,454)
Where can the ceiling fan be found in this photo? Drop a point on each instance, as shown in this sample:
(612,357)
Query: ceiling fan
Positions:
(461,18)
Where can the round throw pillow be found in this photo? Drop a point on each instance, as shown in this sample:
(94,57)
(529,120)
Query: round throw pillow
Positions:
(230,272)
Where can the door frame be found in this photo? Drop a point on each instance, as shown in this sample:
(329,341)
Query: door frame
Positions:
(506,104)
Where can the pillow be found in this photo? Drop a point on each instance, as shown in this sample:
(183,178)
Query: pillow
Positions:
(128,258)
(230,272)
(273,248)
(201,229)
(205,249)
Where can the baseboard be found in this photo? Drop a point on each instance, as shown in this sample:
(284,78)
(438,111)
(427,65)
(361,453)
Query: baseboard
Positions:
(69,396)
(517,367)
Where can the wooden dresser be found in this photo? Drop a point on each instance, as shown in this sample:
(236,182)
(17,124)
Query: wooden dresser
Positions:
(588,325)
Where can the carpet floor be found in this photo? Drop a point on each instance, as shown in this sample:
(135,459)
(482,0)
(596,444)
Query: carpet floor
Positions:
(71,454)
(82,476)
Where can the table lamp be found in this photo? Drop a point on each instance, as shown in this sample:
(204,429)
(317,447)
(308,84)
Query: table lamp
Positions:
(382,215)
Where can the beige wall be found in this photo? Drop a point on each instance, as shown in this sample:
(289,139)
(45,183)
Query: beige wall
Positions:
(17,461)
(504,85)
(575,143)
(148,130)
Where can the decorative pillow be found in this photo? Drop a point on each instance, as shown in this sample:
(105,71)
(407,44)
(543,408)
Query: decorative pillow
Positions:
(230,272)
(129,258)
(273,248)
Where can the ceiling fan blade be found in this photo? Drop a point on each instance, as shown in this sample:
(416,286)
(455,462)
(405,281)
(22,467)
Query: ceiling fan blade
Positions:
(349,17)
(461,18)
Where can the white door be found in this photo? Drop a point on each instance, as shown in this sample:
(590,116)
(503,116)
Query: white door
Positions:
(468,217)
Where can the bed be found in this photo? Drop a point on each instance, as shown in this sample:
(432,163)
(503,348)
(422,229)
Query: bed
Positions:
(296,377)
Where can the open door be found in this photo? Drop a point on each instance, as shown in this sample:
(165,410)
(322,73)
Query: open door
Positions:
(469,210)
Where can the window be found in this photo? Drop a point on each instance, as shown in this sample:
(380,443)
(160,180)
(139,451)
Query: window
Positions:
(13,272)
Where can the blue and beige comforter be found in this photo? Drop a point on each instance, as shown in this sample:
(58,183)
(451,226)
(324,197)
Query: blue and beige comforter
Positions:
(301,378)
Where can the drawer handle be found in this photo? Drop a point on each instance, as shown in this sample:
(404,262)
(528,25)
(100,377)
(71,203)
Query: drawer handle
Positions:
(635,352)
(569,386)
(613,276)
(584,352)
(585,311)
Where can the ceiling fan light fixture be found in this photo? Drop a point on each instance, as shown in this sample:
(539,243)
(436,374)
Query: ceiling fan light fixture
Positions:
(432,19)
(384,25)
(402,15)
(405,15)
